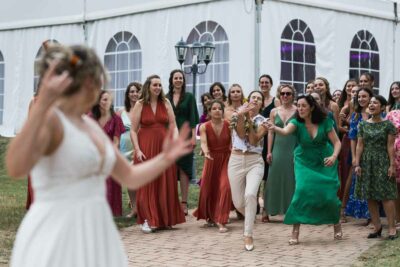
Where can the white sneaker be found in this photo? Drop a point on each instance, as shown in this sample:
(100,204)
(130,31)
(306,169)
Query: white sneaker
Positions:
(146,228)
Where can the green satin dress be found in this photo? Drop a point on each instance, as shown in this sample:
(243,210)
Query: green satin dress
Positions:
(315,199)
(281,183)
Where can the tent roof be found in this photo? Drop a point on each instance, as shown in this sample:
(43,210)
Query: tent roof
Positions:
(18,14)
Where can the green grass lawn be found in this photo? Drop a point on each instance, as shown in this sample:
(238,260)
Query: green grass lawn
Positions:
(13,198)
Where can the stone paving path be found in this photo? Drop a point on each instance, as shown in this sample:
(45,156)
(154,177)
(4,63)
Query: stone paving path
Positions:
(190,244)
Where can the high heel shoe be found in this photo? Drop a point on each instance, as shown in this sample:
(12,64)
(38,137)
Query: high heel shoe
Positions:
(392,237)
(295,238)
(337,232)
(343,218)
(248,243)
(376,234)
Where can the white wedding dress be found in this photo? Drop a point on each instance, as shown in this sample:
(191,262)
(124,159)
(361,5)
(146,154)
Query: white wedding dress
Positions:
(70,222)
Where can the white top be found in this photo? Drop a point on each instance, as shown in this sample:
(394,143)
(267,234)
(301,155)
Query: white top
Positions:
(244,144)
(70,222)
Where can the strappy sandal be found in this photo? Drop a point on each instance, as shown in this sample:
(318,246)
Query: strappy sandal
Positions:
(185,208)
(294,241)
(337,232)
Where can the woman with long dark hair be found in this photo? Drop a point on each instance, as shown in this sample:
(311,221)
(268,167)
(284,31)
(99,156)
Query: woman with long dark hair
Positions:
(217,91)
(185,110)
(103,113)
(393,115)
(315,198)
(356,207)
(265,84)
(321,86)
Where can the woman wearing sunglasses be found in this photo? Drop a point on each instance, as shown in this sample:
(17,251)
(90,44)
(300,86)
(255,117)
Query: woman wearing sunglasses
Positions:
(280,184)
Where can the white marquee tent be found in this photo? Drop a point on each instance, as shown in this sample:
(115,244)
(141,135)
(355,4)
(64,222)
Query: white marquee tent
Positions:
(292,40)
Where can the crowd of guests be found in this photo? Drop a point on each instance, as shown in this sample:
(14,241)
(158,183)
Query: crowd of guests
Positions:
(321,156)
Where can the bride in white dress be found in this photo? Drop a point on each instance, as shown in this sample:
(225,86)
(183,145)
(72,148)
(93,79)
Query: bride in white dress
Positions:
(69,158)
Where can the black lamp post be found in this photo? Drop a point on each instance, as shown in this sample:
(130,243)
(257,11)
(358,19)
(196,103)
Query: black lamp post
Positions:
(201,53)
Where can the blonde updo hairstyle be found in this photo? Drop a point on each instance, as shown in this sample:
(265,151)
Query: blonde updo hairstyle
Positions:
(80,61)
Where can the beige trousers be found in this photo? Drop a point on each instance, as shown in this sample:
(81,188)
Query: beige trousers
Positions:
(245,174)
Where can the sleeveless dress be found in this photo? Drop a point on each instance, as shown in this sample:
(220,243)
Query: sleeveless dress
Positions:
(357,208)
(70,223)
(186,111)
(215,192)
(265,113)
(114,128)
(157,202)
(315,199)
(281,182)
(125,144)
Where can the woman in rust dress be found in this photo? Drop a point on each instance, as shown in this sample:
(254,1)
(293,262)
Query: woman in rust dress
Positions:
(157,203)
(215,192)
(103,113)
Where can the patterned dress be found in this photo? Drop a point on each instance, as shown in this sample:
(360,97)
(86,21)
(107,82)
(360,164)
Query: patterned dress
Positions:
(357,208)
(374,182)
(394,117)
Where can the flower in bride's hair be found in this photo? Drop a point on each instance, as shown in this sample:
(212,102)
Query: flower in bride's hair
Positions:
(75,61)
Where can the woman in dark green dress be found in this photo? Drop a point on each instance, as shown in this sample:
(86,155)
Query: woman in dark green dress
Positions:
(375,166)
(185,109)
(315,199)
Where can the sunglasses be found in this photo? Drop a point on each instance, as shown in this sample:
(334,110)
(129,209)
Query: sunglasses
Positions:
(286,93)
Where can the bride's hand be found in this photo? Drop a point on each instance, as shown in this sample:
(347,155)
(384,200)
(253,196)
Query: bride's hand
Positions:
(52,84)
(174,148)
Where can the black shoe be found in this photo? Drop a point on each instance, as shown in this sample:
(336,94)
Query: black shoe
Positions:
(375,234)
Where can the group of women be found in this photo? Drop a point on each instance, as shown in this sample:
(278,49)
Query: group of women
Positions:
(290,143)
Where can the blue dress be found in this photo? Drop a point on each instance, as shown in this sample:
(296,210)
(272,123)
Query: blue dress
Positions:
(357,208)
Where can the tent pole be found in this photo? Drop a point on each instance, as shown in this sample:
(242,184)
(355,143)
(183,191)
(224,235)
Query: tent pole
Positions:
(257,42)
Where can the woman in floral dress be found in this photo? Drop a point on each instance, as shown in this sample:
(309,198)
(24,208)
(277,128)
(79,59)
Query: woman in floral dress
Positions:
(374,166)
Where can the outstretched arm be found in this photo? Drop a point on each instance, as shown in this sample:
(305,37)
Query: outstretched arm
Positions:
(289,128)
(135,176)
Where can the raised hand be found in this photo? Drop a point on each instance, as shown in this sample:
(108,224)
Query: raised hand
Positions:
(174,148)
(52,85)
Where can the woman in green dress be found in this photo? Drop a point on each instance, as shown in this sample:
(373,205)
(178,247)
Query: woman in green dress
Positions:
(280,184)
(185,109)
(375,166)
(315,199)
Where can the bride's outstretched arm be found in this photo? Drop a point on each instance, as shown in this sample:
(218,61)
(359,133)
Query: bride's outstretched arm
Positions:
(135,176)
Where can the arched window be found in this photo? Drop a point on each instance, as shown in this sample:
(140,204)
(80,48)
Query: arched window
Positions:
(297,54)
(35,67)
(218,68)
(364,56)
(123,59)
(1,88)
